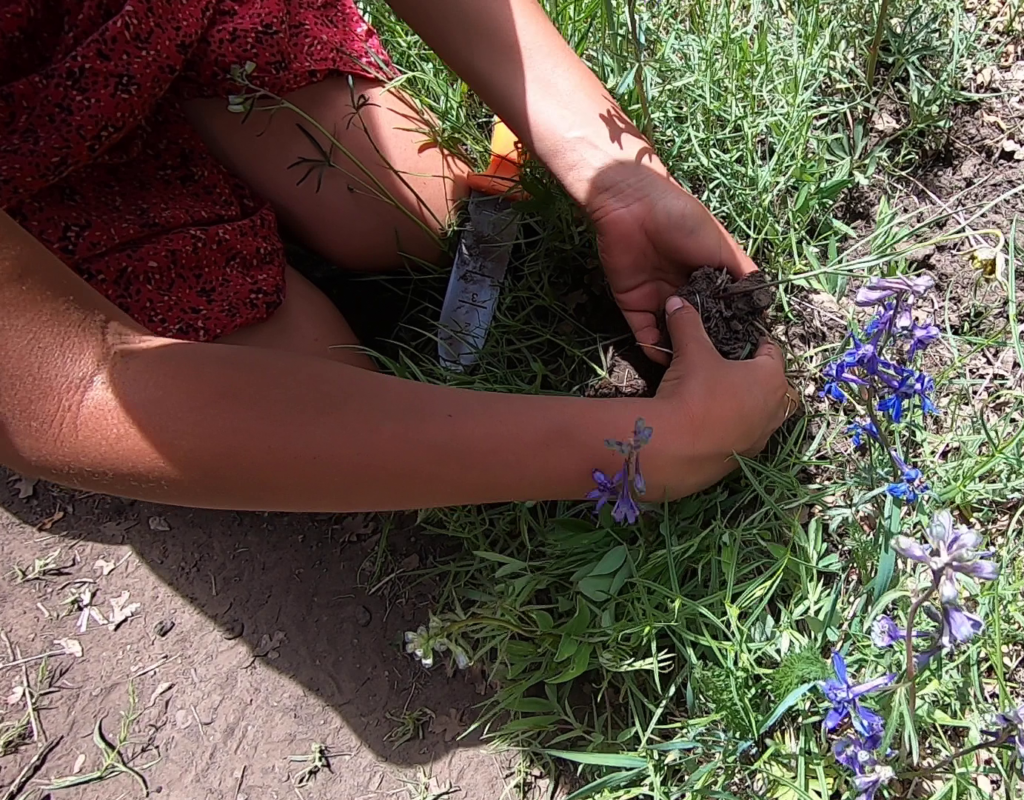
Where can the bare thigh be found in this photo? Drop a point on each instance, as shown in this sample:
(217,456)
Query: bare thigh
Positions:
(339,212)
(308,323)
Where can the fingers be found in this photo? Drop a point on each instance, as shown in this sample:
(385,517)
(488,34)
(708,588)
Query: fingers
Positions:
(689,339)
(771,355)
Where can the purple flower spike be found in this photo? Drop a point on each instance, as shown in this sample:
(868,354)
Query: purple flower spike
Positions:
(627,480)
(878,290)
(954,552)
(845,699)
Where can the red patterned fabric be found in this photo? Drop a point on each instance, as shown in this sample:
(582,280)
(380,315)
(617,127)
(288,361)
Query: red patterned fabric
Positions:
(98,162)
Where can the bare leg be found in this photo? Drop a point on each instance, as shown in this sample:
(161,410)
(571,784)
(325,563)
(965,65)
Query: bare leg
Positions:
(308,323)
(342,221)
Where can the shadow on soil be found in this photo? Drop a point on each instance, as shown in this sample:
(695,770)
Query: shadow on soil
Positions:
(255,574)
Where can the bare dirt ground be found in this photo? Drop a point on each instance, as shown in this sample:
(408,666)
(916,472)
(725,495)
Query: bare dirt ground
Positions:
(253,639)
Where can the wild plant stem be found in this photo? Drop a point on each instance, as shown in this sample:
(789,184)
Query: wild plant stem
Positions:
(911,618)
(876,43)
(648,123)
(999,741)
(372,183)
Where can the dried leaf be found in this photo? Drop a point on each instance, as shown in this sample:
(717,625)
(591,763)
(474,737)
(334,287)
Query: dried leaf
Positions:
(71,647)
(163,688)
(25,487)
(357,525)
(122,609)
(449,725)
(103,566)
(158,524)
(17,692)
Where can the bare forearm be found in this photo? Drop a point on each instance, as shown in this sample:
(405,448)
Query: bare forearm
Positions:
(516,60)
(245,428)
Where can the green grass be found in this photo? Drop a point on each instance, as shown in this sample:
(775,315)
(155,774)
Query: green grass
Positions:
(678,659)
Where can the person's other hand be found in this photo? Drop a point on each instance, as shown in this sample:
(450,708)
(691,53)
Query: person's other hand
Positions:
(712,408)
(652,235)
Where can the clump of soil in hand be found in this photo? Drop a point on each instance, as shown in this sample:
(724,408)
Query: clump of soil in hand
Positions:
(732,311)
(733,316)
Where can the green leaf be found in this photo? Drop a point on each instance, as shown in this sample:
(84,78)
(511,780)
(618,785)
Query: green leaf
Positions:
(595,588)
(531,705)
(620,760)
(787,703)
(580,662)
(612,560)
(566,647)
(607,782)
(508,569)
(580,622)
(620,578)
(544,620)
(541,722)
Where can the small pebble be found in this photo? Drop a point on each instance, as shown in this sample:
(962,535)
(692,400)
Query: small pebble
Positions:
(233,629)
(163,627)
(363,616)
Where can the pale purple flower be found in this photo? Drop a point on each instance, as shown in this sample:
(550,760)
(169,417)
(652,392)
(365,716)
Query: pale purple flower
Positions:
(920,337)
(950,552)
(878,290)
(627,480)
(845,699)
(958,626)
(885,632)
(1010,724)
(626,510)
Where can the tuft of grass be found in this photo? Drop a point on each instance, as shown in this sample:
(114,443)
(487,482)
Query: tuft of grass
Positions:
(43,567)
(114,759)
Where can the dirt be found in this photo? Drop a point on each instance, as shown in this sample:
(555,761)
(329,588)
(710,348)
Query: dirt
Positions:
(733,313)
(255,637)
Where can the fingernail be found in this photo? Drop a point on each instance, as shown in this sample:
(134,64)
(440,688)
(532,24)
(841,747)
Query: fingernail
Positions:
(673,304)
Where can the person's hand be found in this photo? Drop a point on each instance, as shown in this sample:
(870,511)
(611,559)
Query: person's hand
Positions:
(712,408)
(652,235)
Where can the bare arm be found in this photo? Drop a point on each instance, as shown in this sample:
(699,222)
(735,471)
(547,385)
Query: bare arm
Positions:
(89,399)
(516,60)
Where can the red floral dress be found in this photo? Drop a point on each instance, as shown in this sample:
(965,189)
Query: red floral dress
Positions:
(99,164)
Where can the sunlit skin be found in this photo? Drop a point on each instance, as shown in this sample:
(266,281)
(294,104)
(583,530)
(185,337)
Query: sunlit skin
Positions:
(273,418)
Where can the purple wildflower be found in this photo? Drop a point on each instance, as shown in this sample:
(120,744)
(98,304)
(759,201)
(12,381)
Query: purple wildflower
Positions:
(858,429)
(606,490)
(627,480)
(920,337)
(845,699)
(911,484)
(958,626)
(878,290)
(950,552)
(885,632)
(626,510)
(859,757)
(1010,726)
